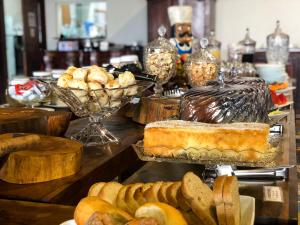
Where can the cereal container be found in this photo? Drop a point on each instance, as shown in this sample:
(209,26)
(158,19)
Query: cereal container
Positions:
(160,59)
(201,66)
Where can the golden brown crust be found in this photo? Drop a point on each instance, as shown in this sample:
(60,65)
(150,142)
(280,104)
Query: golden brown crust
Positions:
(168,139)
(151,194)
(110,191)
(162,193)
(132,203)
(96,188)
(172,194)
(232,201)
(219,201)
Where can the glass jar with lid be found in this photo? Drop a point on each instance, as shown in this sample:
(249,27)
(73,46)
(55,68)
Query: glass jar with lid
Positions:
(214,46)
(201,66)
(160,58)
(277,46)
(248,47)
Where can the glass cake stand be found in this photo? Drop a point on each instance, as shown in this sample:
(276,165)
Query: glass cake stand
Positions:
(216,162)
(98,105)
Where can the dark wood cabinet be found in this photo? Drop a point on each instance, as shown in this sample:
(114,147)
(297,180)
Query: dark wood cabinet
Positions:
(203,16)
(34,38)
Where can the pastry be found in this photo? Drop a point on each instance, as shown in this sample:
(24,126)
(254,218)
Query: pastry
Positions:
(83,99)
(78,84)
(95,90)
(115,93)
(243,141)
(64,79)
(115,103)
(98,74)
(127,79)
(103,99)
(94,106)
(70,70)
(80,74)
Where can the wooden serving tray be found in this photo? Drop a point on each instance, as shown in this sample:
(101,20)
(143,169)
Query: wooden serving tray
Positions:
(37,121)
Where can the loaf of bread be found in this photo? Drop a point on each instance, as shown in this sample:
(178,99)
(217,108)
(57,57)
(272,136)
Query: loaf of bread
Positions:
(243,141)
(12,144)
(227,200)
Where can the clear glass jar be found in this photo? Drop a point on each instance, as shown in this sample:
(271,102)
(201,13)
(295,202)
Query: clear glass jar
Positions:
(277,46)
(248,49)
(160,58)
(214,46)
(201,66)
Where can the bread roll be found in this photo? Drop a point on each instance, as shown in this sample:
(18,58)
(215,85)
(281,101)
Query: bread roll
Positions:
(89,205)
(63,80)
(70,70)
(94,106)
(97,74)
(80,74)
(78,84)
(115,103)
(115,93)
(127,78)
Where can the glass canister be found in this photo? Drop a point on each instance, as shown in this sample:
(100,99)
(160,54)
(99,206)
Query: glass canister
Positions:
(201,66)
(278,46)
(160,58)
(214,46)
(248,47)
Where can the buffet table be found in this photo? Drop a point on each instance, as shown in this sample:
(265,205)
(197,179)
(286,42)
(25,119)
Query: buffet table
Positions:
(34,204)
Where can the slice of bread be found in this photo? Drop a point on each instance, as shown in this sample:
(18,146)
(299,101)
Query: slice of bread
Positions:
(120,200)
(191,218)
(151,194)
(182,202)
(162,193)
(200,197)
(139,193)
(172,194)
(231,199)
(96,188)
(110,191)
(132,203)
(219,201)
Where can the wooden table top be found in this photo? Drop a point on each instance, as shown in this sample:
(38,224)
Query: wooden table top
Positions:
(97,165)
(32,213)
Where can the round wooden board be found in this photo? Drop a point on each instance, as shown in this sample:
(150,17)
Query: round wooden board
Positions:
(52,159)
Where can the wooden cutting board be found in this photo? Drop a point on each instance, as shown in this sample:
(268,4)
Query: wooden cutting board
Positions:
(37,121)
(53,158)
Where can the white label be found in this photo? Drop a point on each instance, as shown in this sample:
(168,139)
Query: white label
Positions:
(273,194)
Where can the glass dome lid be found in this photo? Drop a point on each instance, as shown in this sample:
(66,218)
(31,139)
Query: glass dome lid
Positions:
(278,35)
(247,39)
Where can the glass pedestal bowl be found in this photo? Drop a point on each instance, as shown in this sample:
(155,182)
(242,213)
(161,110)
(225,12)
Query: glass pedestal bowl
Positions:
(98,105)
(29,92)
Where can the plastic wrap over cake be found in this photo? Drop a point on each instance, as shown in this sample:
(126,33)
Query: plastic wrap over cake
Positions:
(227,103)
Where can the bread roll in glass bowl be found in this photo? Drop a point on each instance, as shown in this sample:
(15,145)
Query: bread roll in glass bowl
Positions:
(97,94)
